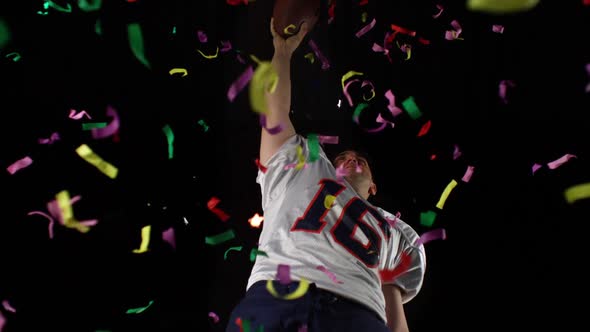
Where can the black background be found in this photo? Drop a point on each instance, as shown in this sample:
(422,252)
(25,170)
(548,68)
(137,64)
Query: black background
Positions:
(511,260)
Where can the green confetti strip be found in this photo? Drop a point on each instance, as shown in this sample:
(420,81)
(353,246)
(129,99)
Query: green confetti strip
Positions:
(92,125)
(5,35)
(427,218)
(357,112)
(314,147)
(170,138)
(220,238)
(136,43)
(139,310)
(255,252)
(410,106)
(238,248)
(204,125)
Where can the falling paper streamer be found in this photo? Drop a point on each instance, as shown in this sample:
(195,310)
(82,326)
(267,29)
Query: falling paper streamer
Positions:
(225,46)
(454,34)
(577,192)
(427,218)
(52,138)
(93,125)
(51,221)
(536,167)
(314,147)
(445,194)
(409,104)
(503,90)
(425,128)
(329,200)
(255,252)
(139,310)
(212,56)
(319,55)
(136,43)
(111,129)
(468,173)
(170,139)
(366,28)
(202,36)
(560,161)
(395,111)
(214,316)
(283,274)
(239,84)
(501,6)
(89,5)
(328,139)
(169,237)
(456,152)
(220,238)
(212,206)
(6,305)
(345,91)
(434,234)
(79,115)
(19,164)
(440,11)
(498,28)
(145,240)
(2,321)
(587,89)
(264,80)
(299,292)
(61,207)
(87,154)
(182,71)
(329,273)
(237,248)
(274,130)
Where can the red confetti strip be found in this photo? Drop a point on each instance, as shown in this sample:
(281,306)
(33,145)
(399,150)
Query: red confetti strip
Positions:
(390,275)
(425,128)
(260,167)
(211,205)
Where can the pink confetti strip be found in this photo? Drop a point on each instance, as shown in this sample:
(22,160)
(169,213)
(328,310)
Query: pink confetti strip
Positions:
(536,167)
(328,139)
(169,236)
(503,90)
(274,130)
(453,34)
(319,55)
(558,162)
(283,274)
(380,119)
(110,129)
(366,28)
(2,321)
(434,234)
(79,115)
(54,137)
(19,164)
(395,111)
(239,84)
(440,11)
(7,306)
(456,152)
(588,71)
(51,221)
(214,316)
(202,36)
(498,28)
(345,91)
(211,205)
(329,273)
(468,173)
(225,46)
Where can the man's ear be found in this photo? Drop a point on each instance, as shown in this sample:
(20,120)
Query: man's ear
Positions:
(373,189)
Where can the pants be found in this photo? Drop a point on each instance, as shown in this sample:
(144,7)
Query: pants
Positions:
(316,311)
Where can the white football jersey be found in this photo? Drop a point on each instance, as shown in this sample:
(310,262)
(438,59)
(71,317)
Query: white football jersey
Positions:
(311,220)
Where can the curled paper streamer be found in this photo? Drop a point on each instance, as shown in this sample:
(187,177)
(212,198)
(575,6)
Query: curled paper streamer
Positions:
(54,137)
(214,317)
(560,161)
(212,206)
(440,11)
(299,292)
(237,248)
(139,310)
(319,55)
(212,56)
(274,130)
(395,111)
(255,252)
(182,71)
(366,28)
(79,115)
(51,221)
(111,128)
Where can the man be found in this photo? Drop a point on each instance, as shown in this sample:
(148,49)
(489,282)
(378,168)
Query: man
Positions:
(320,229)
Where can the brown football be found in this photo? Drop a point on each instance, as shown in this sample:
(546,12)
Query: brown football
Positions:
(289,15)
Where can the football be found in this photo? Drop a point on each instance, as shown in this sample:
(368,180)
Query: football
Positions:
(288,15)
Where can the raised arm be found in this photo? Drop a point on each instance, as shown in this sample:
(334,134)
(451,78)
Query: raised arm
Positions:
(279,101)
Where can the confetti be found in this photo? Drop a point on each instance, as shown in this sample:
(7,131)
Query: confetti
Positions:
(92,158)
(468,173)
(560,161)
(135,38)
(182,71)
(577,192)
(110,129)
(140,309)
(299,292)
(220,238)
(410,106)
(212,206)
(434,234)
(329,273)
(256,252)
(388,276)
(501,6)
(19,164)
(264,80)
(145,240)
(170,139)
(445,194)
(237,248)
(427,218)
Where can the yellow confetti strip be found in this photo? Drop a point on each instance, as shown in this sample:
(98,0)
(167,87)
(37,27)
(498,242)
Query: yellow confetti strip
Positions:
(445,194)
(178,70)
(210,56)
(290,29)
(145,239)
(63,202)
(299,292)
(577,192)
(349,75)
(501,6)
(265,78)
(87,154)
(300,158)
(329,201)
(309,56)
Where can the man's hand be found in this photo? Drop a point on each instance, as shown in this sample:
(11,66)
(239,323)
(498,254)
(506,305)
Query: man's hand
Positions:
(284,47)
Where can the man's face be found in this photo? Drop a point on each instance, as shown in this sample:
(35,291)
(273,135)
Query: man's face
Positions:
(355,166)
